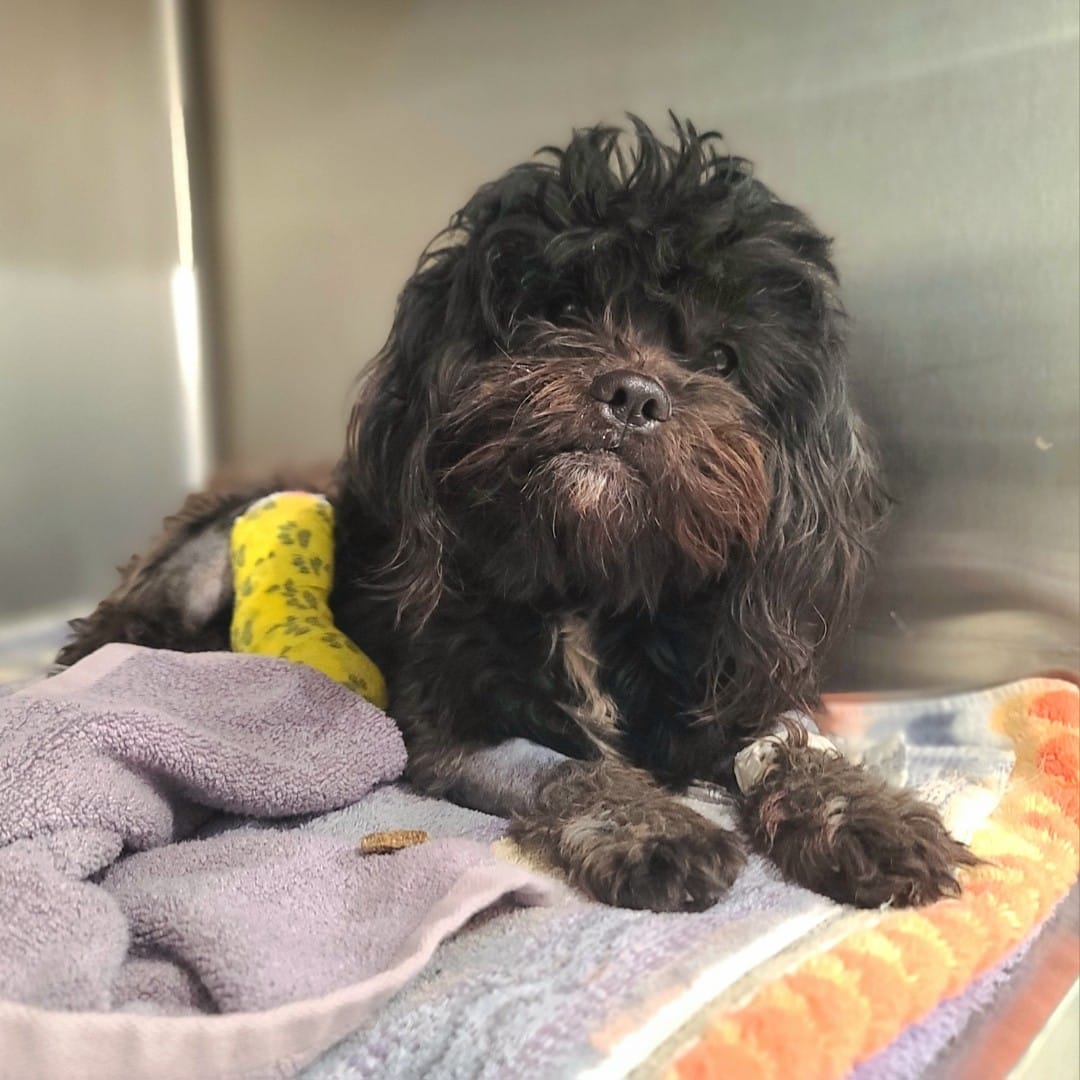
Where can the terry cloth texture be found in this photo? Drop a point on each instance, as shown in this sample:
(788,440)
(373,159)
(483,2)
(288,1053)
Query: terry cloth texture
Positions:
(577,989)
(112,903)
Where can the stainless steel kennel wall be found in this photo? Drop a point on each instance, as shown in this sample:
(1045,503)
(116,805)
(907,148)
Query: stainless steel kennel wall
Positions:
(104,417)
(937,142)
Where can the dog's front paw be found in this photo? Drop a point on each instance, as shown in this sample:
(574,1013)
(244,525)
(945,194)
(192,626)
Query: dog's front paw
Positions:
(630,844)
(644,855)
(842,831)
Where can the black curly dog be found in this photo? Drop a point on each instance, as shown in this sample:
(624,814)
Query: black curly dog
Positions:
(604,490)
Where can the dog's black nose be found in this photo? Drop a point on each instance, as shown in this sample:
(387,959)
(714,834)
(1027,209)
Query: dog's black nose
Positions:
(629,397)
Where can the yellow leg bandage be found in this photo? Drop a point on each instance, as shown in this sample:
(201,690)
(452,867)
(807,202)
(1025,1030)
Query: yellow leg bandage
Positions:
(283,569)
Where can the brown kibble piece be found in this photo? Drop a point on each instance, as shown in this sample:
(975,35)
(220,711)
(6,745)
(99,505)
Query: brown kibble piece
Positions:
(382,843)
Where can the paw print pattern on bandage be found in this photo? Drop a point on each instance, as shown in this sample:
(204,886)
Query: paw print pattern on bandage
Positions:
(358,684)
(294,626)
(242,636)
(303,565)
(294,596)
(283,558)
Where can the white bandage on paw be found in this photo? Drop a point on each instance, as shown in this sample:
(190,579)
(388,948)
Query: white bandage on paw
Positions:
(752,762)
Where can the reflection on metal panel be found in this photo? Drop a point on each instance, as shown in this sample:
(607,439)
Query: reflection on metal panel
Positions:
(101,424)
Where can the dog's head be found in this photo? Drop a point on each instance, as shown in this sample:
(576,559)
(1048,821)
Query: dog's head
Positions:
(616,379)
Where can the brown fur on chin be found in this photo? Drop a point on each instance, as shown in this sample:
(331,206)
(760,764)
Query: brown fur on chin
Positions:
(611,514)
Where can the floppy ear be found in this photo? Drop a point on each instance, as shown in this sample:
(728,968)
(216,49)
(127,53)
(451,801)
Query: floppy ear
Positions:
(386,470)
(780,606)
(450,304)
(797,593)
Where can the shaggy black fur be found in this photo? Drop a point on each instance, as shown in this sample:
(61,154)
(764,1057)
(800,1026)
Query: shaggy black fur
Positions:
(604,489)
(843,831)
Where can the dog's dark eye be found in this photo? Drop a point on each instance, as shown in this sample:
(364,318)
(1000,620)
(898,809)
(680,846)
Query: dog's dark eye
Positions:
(568,310)
(722,358)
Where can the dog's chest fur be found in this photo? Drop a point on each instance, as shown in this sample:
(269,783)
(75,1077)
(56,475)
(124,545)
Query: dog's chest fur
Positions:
(577,680)
(589,700)
(624,681)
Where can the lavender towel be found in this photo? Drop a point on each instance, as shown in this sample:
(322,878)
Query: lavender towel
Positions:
(128,754)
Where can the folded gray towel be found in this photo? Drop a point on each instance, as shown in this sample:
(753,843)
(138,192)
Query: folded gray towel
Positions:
(109,900)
